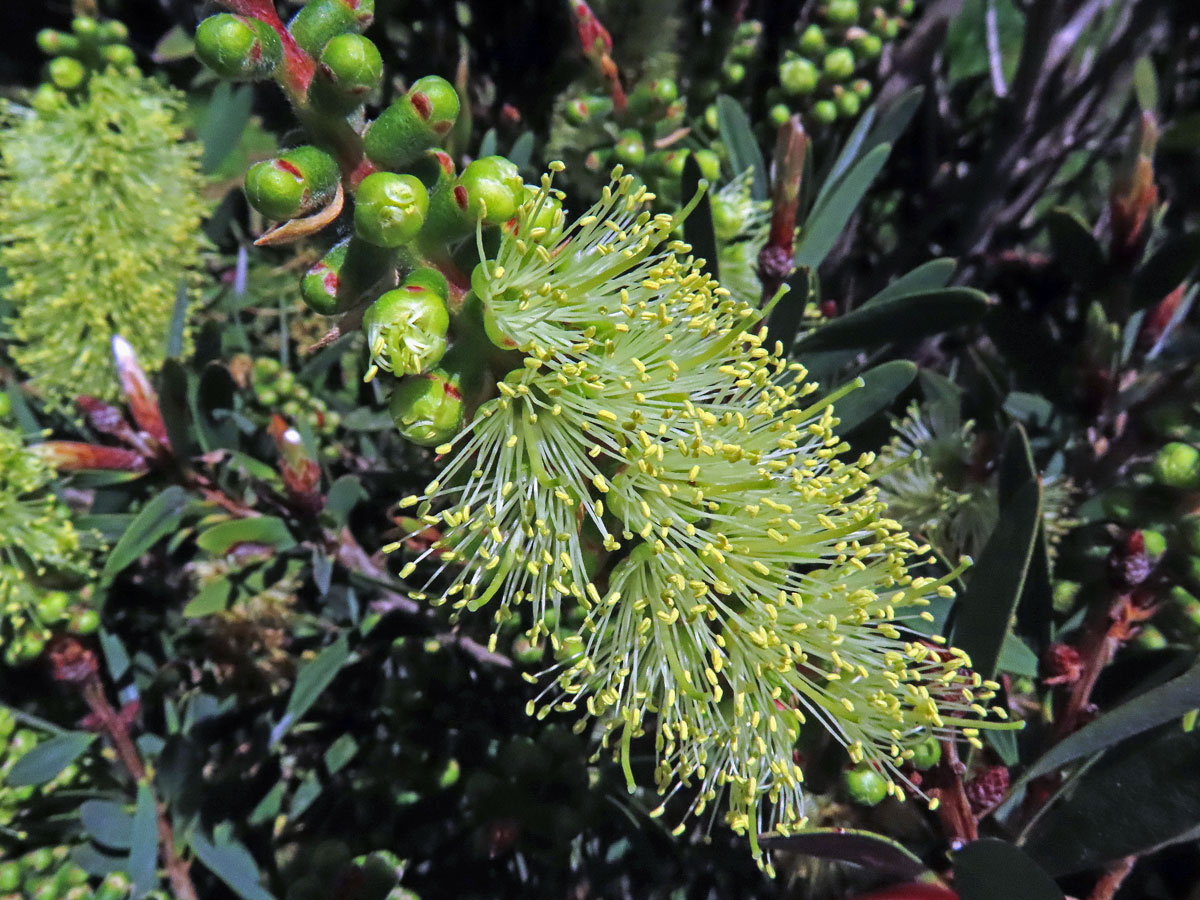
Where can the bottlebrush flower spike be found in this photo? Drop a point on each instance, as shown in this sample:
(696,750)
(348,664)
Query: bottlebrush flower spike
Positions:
(653,461)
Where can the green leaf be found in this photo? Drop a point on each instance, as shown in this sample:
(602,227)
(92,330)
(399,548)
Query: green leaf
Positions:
(522,150)
(142,868)
(1145,84)
(342,497)
(698,227)
(1159,705)
(107,823)
(826,221)
(1140,795)
(269,530)
(487,146)
(930,276)
(875,852)
(178,321)
(992,869)
(994,585)
(1016,658)
(849,155)
(738,137)
(312,681)
(158,518)
(232,863)
(881,385)
(1170,266)
(894,118)
(48,758)
(1075,247)
(174,45)
(225,120)
(173,401)
(904,318)
(213,598)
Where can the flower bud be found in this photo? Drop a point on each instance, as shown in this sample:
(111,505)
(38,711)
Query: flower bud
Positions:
(727,218)
(56,43)
(838,64)
(66,73)
(239,48)
(1177,465)
(709,163)
(85,27)
(52,606)
(406,329)
(318,21)
(842,12)
(926,754)
(670,162)
(112,31)
(906,7)
(798,76)
(390,209)
(428,409)
(349,70)
(630,148)
(586,109)
(862,88)
(812,41)
(412,124)
(118,55)
(1189,530)
(869,45)
(302,179)
(335,284)
(494,189)
(865,786)
(734,73)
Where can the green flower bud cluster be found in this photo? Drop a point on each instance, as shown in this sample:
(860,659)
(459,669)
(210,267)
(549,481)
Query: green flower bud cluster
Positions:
(15,742)
(47,873)
(274,388)
(40,553)
(328,868)
(824,75)
(105,168)
(91,46)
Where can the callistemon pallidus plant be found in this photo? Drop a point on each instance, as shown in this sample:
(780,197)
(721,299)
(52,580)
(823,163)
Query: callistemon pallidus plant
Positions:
(100,208)
(654,461)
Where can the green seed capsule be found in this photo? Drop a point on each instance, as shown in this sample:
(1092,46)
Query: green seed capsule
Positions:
(1177,465)
(798,76)
(66,73)
(848,104)
(412,124)
(406,330)
(825,111)
(494,189)
(839,64)
(390,209)
(842,12)
(927,754)
(864,785)
(779,114)
(630,148)
(299,181)
(427,409)
(85,621)
(350,69)
(319,21)
(238,47)
(812,41)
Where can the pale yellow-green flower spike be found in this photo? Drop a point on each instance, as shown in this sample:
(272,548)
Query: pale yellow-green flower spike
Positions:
(100,208)
(759,586)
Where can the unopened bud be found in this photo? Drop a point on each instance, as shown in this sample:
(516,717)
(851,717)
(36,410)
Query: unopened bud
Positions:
(412,124)
(390,209)
(350,69)
(336,283)
(239,48)
(798,76)
(427,409)
(66,73)
(302,179)
(1177,465)
(630,148)
(319,21)
(838,64)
